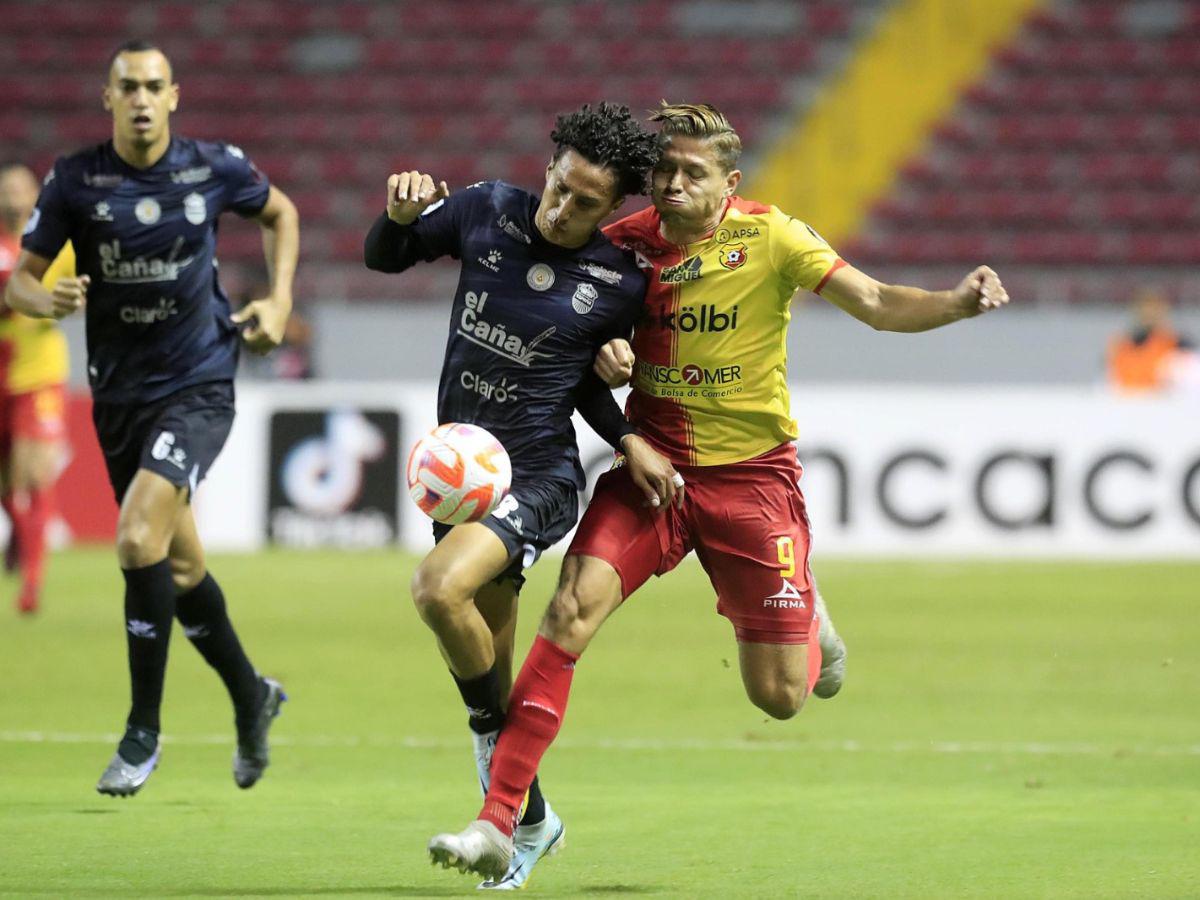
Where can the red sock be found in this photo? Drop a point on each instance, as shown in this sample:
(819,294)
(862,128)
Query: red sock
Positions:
(535,713)
(31,535)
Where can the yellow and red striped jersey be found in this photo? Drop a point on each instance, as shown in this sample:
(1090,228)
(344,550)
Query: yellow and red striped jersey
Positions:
(33,352)
(710,381)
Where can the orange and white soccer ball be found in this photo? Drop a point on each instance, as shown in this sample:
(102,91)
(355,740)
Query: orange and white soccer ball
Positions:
(458,473)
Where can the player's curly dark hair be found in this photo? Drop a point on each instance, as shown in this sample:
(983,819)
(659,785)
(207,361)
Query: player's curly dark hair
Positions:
(608,135)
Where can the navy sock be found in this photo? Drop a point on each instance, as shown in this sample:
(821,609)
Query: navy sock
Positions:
(149,609)
(482,698)
(205,621)
(535,807)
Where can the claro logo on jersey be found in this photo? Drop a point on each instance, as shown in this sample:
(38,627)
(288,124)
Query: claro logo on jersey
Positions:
(148,315)
(495,337)
(688,270)
(703,319)
(502,392)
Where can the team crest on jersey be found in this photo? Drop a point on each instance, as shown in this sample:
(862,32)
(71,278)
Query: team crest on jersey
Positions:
(733,256)
(540,277)
(584,298)
(195,210)
(147,211)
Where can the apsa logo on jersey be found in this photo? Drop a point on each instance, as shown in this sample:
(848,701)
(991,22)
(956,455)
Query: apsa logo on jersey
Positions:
(584,298)
(195,210)
(147,211)
(733,256)
(540,277)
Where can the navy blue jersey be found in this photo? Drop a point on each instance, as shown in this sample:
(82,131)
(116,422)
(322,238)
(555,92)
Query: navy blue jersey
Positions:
(157,319)
(527,321)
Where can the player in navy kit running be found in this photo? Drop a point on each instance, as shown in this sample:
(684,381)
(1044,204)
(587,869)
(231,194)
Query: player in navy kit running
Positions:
(141,211)
(540,292)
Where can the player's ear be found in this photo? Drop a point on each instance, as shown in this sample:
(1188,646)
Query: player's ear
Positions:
(732,180)
(106,97)
(174,104)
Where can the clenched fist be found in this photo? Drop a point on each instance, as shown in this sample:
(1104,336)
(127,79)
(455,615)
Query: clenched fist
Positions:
(410,194)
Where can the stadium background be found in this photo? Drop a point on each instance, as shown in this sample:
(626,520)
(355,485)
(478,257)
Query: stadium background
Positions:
(1055,141)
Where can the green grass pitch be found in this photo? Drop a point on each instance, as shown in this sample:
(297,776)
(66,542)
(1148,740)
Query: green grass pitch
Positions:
(1007,730)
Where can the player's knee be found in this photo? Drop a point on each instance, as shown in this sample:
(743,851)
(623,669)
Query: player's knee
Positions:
(139,544)
(436,597)
(567,621)
(779,700)
(186,573)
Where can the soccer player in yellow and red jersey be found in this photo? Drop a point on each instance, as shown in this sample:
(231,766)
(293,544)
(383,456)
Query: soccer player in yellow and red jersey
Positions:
(33,369)
(708,364)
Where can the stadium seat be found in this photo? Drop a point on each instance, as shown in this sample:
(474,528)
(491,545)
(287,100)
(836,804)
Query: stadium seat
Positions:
(1080,149)
(467,90)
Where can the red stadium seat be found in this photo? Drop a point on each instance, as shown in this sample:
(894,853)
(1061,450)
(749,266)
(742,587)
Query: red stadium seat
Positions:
(1081,148)
(466,90)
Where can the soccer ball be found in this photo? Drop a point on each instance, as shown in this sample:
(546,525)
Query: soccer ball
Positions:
(458,473)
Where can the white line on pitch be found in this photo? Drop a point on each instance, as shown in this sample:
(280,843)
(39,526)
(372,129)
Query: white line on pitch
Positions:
(1030,748)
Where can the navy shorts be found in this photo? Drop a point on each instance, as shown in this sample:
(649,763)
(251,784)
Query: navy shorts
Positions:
(177,437)
(535,515)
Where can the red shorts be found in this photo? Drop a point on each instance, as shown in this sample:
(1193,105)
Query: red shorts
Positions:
(748,525)
(35,416)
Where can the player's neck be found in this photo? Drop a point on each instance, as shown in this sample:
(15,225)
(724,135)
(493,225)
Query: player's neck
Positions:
(675,230)
(142,157)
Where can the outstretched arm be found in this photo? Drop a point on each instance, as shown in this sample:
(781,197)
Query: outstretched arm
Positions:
(267,317)
(888,307)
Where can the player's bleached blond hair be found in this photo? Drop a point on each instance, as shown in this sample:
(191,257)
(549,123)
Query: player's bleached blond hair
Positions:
(700,120)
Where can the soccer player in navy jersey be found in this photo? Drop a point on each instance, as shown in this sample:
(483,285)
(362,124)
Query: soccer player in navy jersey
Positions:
(141,211)
(541,290)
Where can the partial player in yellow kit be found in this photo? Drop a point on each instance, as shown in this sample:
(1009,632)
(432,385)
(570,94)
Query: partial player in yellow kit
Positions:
(710,382)
(33,370)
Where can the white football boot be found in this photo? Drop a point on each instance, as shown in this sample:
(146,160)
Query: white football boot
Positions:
(124,779)
(833,654)
(481,848)
(530,844)
(484,746)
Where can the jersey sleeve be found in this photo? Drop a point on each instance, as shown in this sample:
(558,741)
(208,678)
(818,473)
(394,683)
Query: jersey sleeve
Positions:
(437,232)
(246,187)
(49,226)
(799,254)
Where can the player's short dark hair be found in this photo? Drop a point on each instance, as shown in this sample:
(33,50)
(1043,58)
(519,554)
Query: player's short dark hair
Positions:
(700,120)
(134,45)
(608,135)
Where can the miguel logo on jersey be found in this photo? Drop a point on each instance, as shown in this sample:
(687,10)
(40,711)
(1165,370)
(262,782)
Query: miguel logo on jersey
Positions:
(733,256)
(688,270)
